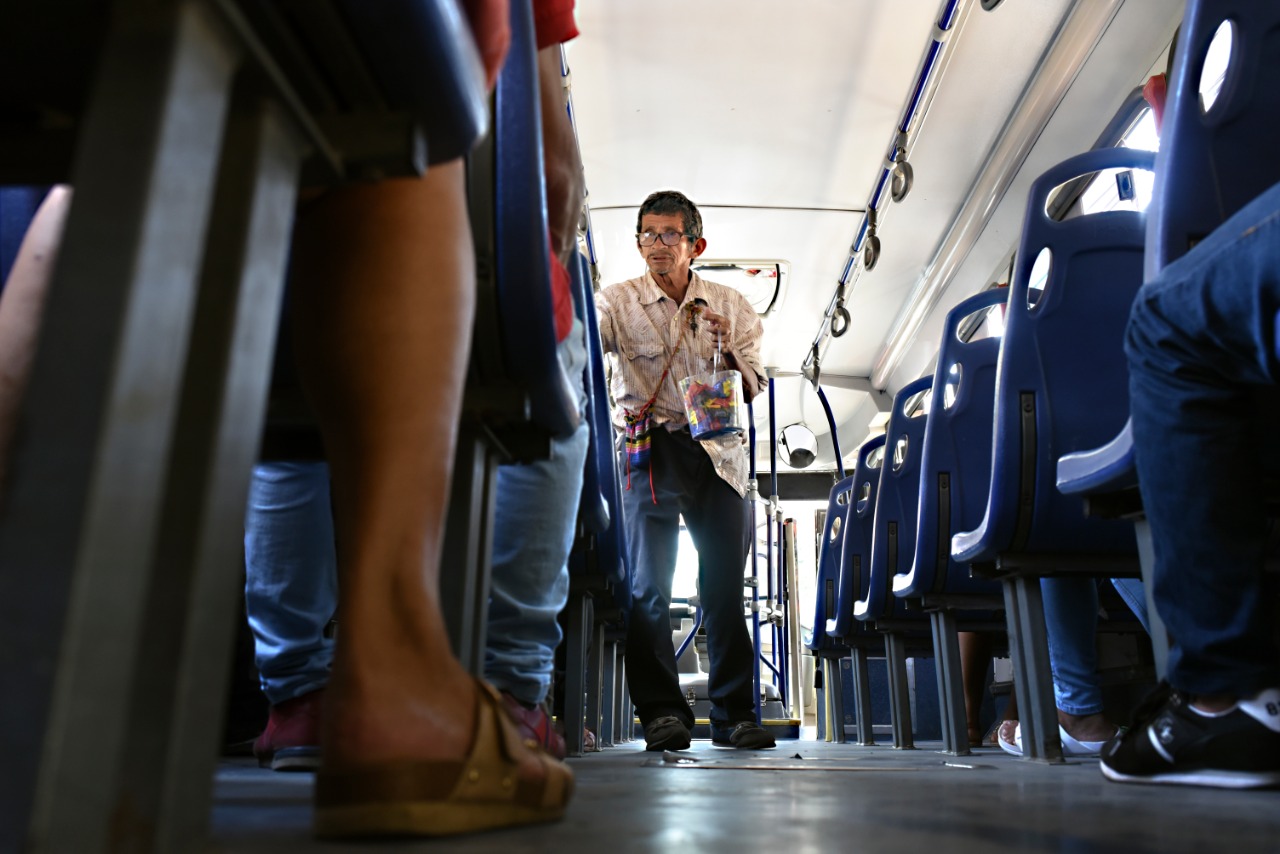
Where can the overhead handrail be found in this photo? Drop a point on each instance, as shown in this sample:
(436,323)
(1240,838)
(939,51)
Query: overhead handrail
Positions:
(895,177)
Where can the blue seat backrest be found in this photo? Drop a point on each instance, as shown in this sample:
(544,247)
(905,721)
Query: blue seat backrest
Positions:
(1061,380)
(855,554)
(18,206)
(1212,164)
(829,564)
(897,503)
(523,252)
(955,465)
(594,509)
(606,494)
(1209,166)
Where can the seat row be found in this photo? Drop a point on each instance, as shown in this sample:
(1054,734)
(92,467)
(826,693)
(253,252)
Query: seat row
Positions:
(953,514)
(992,501)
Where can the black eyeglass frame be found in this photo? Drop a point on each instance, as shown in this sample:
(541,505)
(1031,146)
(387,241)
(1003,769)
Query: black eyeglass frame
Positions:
(662,236)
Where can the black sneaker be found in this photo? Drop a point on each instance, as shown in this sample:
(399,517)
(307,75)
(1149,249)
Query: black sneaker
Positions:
(747,735)
(1170,742)
(666,733)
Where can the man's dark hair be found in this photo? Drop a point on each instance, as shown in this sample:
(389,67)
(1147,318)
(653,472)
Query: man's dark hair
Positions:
(666,202)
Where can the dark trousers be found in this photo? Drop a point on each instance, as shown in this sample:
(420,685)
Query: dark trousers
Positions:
(685,482)
(1204,383)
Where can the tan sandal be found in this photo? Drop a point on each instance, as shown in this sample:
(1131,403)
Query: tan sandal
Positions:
(446,797)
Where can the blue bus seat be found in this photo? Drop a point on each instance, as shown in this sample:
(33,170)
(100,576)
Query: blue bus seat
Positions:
(827,650)
(902,621)
(600,581)
(522,243)
(596,508)
(897,503)
(855,553)
(955,469)
(1061,380)
(1210,165)
(1061,385)
(854,557)
(955,463)
(828,576)
(18,205)
(184,138)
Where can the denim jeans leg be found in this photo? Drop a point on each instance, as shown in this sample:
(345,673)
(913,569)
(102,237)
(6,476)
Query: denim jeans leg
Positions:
(1071,617)
(717,519)
(291,576)
(535,521)
(653,538)
(1135,596)
(1201,343)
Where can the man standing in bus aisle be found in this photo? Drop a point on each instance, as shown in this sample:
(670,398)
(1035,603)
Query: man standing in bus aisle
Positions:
(642,322)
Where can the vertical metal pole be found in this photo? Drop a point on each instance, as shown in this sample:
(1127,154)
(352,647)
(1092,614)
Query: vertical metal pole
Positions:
(753,497)
(778,652)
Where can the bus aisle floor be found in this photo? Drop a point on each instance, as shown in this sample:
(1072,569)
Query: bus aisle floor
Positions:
(807,796)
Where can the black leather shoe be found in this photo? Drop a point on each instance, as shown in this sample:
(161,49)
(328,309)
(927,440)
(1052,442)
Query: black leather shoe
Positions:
(747,735)
(666,733)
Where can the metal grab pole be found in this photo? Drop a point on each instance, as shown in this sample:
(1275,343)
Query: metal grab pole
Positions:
(753,496)
(835,437)
(779,650)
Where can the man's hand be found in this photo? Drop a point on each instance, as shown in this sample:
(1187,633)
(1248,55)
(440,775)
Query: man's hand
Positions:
(718,326)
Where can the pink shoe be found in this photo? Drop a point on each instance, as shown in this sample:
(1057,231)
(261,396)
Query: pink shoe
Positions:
(535,725)
(291,741)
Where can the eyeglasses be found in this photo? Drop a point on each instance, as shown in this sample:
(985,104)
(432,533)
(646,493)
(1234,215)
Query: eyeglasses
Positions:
(668,238)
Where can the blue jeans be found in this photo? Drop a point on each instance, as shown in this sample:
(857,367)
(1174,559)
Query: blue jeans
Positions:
(291,576)
(1071,618)
(1203,376)
(686,483)
(291,583)
(537,509)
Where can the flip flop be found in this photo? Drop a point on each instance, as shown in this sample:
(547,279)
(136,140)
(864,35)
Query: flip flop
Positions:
(446,797)
(1070,746)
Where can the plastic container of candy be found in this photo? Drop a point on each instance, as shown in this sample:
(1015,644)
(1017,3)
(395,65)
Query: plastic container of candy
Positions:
(713,404)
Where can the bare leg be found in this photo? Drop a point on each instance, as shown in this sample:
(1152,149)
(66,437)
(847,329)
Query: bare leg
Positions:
(384,295)
(21,310)
(975,658)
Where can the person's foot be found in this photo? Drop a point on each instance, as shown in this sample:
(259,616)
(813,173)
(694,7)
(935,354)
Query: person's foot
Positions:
(745,735)
(1086,728)
(1172,741)
(666,733)
(501,780)
(291,739)
(535,725)
(1009,738)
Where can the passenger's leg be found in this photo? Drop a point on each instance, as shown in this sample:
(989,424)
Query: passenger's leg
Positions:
(383,298)
(1203,374)
(1135,596)
(975,661)
(718,522)
(21,310)
(536,519)
(291,592)
(1071,618)
(291,584)
(653,537)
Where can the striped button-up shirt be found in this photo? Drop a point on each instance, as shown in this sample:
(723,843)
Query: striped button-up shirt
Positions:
(639,329)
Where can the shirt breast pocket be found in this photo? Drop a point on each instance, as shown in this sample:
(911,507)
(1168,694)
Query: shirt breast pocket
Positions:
(641,352)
